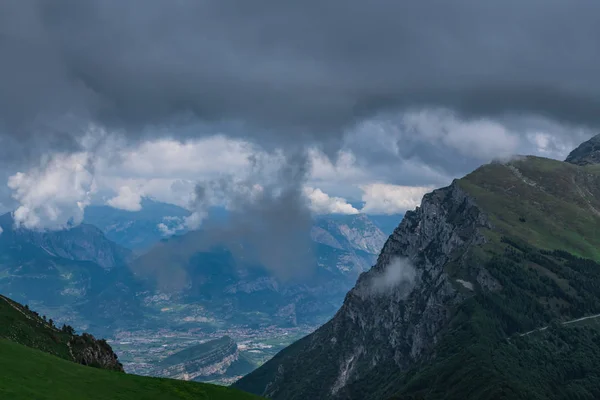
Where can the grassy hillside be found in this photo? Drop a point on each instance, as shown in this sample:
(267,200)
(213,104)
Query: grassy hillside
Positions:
(31,374)
(21,325)
(546,203)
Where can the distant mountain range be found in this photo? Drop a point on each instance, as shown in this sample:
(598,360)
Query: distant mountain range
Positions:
(136,230)
(88,277)
(232,288)
(126,275)
(77,275)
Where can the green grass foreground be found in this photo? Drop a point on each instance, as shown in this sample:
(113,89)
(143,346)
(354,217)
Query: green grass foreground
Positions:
(31,374)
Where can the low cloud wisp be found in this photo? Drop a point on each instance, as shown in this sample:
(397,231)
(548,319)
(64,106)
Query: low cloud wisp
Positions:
(399,275)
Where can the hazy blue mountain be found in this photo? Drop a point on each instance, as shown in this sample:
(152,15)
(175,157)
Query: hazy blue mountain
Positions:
(82,277)
(387,223)
(77,275)
(232,288)
(136,230)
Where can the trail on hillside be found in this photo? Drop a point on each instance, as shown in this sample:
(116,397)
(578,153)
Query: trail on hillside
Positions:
(563,323)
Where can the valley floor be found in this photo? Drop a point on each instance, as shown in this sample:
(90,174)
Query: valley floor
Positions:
(141,350)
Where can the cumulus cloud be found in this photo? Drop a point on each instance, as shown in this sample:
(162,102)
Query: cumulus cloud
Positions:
(381,198)
(169,170)
(165,230)
(54,194)
(322,203)
(168,158)
(551,146)
(479,138)
(127,199)
(194,220)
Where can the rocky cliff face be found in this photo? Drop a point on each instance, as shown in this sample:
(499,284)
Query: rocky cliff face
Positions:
(88,350)
(394,315)
(587,153)
(210,360)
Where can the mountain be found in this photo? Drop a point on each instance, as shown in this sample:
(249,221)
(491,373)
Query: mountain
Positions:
(80,243)
(40,361)
(387,223)
(226,286)
(587,153)
(136,230)
(347,242)
(76,274)
(215,359)
(489,289)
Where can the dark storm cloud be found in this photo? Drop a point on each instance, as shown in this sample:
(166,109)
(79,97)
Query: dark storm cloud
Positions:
(269,228)
(300,69)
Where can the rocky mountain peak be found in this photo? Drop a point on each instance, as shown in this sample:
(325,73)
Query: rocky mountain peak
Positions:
(586,153)
(394,315)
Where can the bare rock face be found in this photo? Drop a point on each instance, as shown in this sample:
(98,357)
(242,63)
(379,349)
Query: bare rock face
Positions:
(586,153)
(93,352)
(394,315)
(201,362)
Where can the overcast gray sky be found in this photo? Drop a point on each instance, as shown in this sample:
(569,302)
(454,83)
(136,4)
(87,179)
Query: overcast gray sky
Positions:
(387,98)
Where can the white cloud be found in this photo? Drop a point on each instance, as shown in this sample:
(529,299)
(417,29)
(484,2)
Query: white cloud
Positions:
(548,145)
(172,225)
(1,230)
(55,194)
(194,220)
(322,203)
(382,198)
(165,230)
(483,139)
(172,159)
(127,199)
(388,161)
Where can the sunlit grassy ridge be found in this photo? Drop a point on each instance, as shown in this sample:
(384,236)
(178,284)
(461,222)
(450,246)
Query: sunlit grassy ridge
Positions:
(31,374)
(547,203)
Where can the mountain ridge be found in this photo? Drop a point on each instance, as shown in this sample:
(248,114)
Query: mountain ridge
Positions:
(587,153)
(489,263)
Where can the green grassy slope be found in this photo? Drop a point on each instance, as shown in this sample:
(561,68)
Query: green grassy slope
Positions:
(31,374)
(23,326)
(546,203)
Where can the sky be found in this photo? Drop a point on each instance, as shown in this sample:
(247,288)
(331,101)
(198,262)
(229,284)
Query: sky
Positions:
(298,108)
